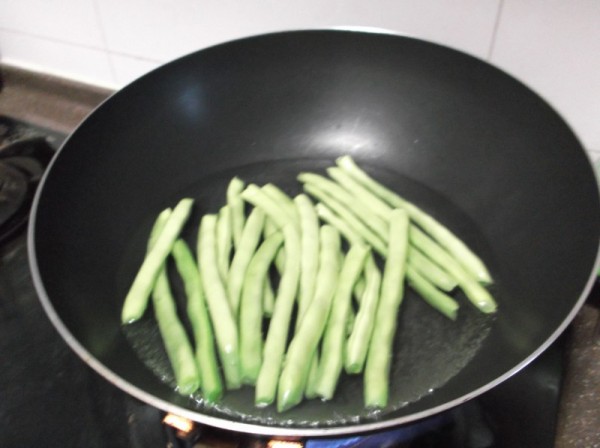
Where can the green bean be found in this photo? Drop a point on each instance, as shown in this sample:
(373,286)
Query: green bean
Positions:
(356,189)
(379,357)
(136,300)
(433,296)
(157,228)
(277,334)
(224,324)
(178,347)
(224,240)
(242,256)
(271,227)
(470,261)
(257,197)
(359,289)
(186,372)
(309,261)
(358,341)
(327,215)
(349,217)
(236,206)
(206,357)
(330,365)
(310,391)
(251,312)
(475,292)
(292,381)
(287,205)
(283,199)
(268,297)
(334,190)
(433,272)
(351,321)
(278,207)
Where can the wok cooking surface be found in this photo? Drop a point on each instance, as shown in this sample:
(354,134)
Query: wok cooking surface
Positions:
(466,135)
(422,330)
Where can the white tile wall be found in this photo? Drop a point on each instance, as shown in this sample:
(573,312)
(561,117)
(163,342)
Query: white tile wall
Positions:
(552,45)
(137,35)
(64,59)
(129,68)
(71,21)
(161,29)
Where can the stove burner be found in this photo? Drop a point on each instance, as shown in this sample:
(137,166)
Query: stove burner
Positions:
(22,164)
(13,189)
(12,131)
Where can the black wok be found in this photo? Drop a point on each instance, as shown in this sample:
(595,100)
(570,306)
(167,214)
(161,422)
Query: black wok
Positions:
(468,143)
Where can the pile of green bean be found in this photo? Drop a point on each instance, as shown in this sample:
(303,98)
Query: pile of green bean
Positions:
(319,269)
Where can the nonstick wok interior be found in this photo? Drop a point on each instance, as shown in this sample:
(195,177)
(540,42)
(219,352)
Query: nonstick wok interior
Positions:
(463,140)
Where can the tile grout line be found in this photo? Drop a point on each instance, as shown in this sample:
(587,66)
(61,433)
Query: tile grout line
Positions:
(495,30)
(100,23)
(72,44)
(48,38)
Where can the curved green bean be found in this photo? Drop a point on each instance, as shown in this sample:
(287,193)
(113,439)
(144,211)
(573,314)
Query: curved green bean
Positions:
(279,196)
(329,217)
(309,253)
(251,307)
(271,227)
(358,342)
(136,300)
(475,292)
(206,357)
(224,324)
(430,270)
(379,357)
(242,256)
(294,375)
(275,211)
(330,365)
(268,298)
(236,206)
(187,375)
(378,225)
(433,296)
(359,289)
(310,391)
(349,217)
(224,240)
(277,334)
(177,345)
(157,228)
(376,205)
(470,261)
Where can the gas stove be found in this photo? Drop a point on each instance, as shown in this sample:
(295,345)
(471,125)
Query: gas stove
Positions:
(49,396)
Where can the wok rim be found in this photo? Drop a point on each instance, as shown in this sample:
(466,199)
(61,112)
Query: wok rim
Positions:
(279,430)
